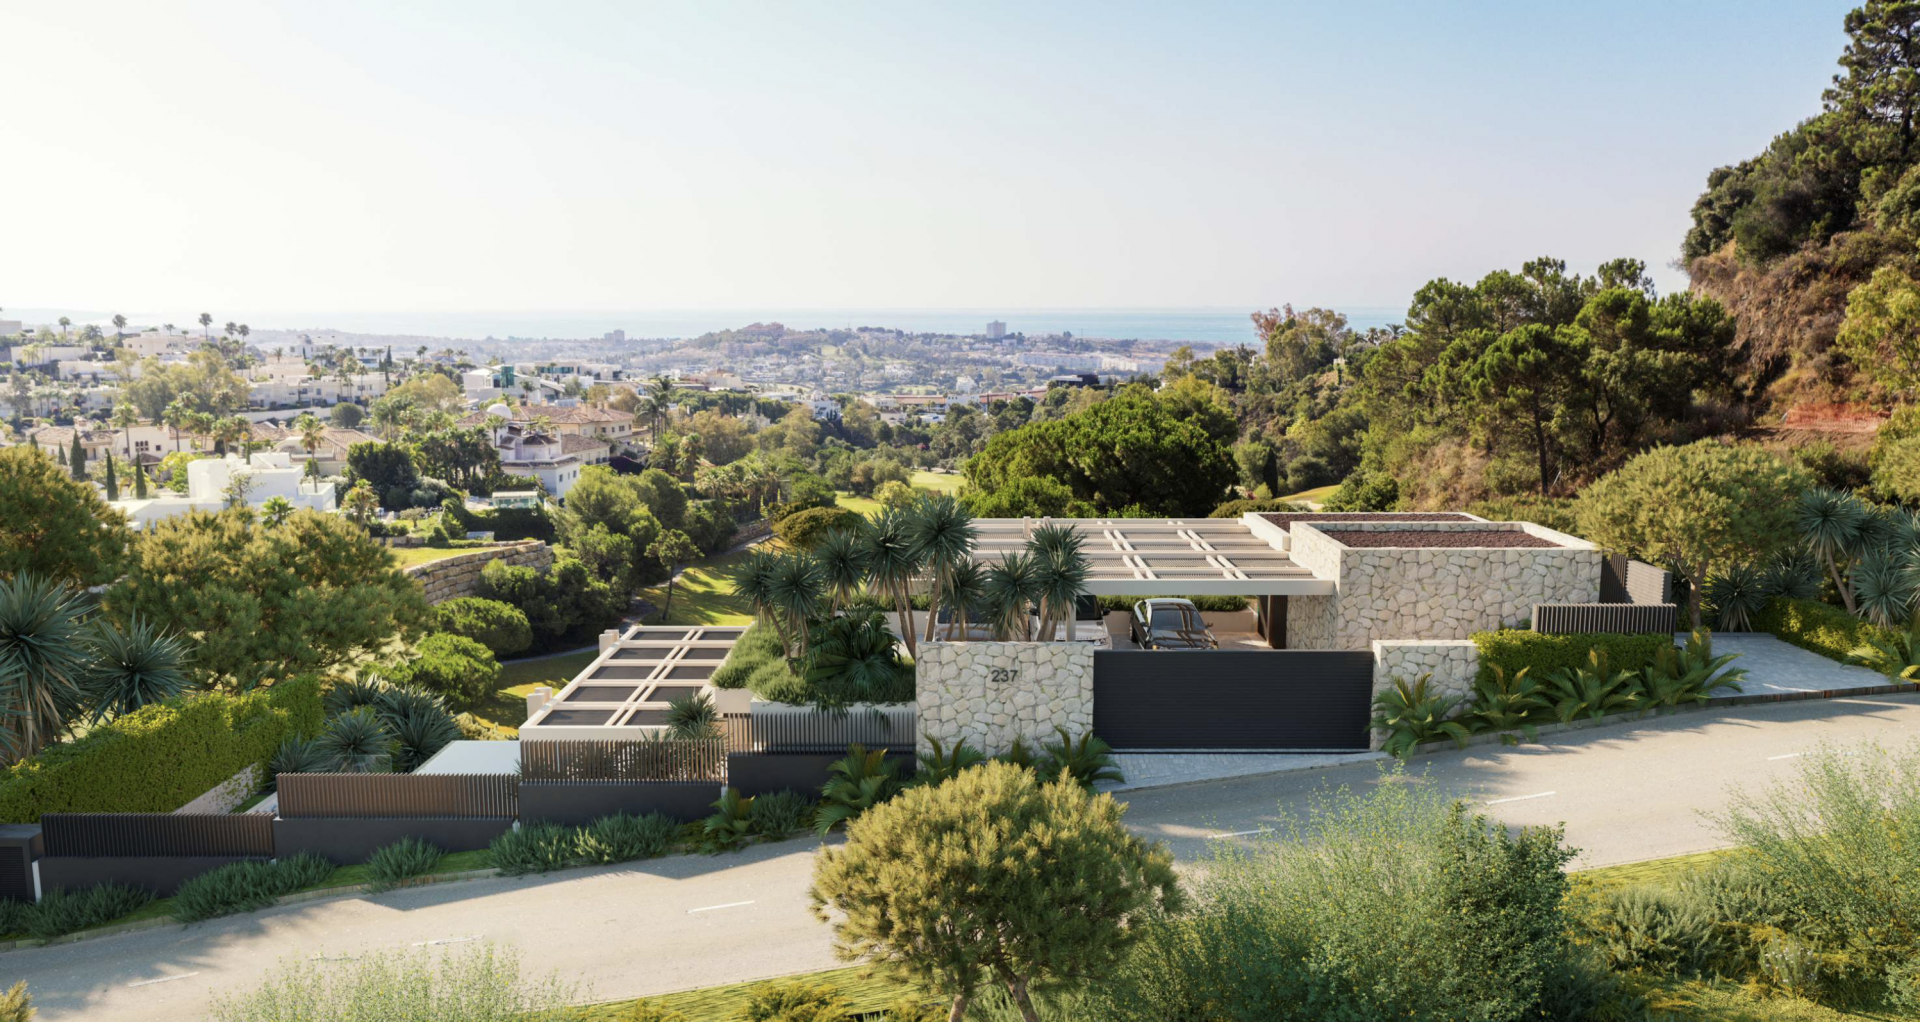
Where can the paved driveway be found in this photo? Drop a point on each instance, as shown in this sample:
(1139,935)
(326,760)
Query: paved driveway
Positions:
(1776,667)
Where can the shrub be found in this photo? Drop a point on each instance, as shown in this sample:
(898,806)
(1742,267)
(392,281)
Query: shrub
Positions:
(476,984)
(297,756)
(404,860)
(452,665)
(565,603)
(856,782)
(1553,512)
(757,647)
(1414,714)
(623,838)
(646,1011)
(16,1005)
(1649,929)
(1087,760)
(501,627)
(796,1000)
(476,729)
(420,724)
(780,813)
(805,528)
(246,886)
(359,741)
(731,822)
(1514,650)
(160,757)
(62,911)
(1903,986)
(1819,627)
(1236,508)
(539,848)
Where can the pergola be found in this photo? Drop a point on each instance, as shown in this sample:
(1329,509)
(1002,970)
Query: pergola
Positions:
(630,685)
(1165,556)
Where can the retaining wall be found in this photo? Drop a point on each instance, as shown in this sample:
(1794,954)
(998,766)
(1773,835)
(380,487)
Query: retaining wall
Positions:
(459,575)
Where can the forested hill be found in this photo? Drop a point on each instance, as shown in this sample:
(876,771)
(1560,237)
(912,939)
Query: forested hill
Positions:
(1826,220)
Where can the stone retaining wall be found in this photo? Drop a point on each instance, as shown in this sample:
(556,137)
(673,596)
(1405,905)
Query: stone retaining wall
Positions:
(989,693)
(227,796)
(1452,663)
(459,575)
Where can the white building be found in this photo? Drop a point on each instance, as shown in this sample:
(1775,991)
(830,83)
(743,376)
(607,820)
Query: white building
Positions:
(823,406)
(315,391)
(555,458)
(266,475)
(996,330)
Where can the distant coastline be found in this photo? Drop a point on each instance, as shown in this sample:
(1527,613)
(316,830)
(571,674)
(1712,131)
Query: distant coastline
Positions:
(1204,326)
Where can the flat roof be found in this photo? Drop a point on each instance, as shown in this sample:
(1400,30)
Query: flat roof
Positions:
(1164,556)
(470,756)
(633,681)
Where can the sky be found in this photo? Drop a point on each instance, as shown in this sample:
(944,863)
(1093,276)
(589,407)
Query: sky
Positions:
(581,156)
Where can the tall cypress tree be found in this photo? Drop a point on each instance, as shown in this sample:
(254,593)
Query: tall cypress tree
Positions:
(139,481)
(77,458)
(113,485)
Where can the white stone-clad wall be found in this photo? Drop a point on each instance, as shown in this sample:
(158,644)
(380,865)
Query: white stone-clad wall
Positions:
(1453,664)
(989,693)
(1432,592)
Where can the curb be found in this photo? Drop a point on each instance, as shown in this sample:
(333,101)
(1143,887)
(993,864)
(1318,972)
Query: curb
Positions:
(296,898)
(1614,719)
(1355,757)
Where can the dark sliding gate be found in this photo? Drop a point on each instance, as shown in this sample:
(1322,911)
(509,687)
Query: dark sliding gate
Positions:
(1232,698)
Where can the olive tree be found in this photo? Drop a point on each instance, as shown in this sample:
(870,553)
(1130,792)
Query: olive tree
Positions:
(992,877)
(1701,509)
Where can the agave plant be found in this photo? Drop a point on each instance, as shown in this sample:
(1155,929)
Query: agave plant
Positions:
(1883,589)
(43,662)
(133,667)
(1506,704)
(732,820)
(892,564)
(1414,714)
(1087,761)
(298,756)
(944,764)
(1006,591)
(350,695)
(855,783)
(853,659)
(420,730)
(1738,596)
(693,717)
(1593,691)
(359,741)
(1897,656)
(1689,675)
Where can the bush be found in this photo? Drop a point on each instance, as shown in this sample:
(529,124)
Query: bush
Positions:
(563,604)
(160,757)
(1363,491)
(796,1000)
(1653,930)
(476,984)
(536,848)
(246,886)
(62,911)
(451,665)
(1513,650)
(780,813)
(757,647)
(404,860)
(1553,512)
(1236,508)
(805,528)
(1818,627)
(624,838)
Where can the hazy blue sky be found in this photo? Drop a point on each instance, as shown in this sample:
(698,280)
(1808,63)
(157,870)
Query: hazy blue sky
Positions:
(979,155)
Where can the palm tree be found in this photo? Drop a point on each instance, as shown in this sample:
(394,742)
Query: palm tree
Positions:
(229,431)
(119,326)
(276,510)
(843,565)
(64,324)
(176,415)
(43,662)
(753,582)
(125,416)
(169,327)
(1062,576)
(360,503)
(892,564)
(206,320)
(1008,589)
(1836,525)
(312,432)
(795,590)
(966,591)
(941,531)
(134,667)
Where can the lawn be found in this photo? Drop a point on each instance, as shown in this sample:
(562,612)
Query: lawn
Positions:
(704,595)
(864,993)
(938,482)
(865,505)
(408,556)
(508,707)
(1317,494)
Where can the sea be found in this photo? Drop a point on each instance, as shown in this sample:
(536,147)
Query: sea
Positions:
(1209,326)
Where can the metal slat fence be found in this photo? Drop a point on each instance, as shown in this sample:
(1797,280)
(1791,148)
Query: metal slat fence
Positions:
(383,796)
(638,759)
(805,729)
(157,834)
(1618,618)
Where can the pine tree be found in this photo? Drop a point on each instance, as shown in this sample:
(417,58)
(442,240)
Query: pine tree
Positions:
(113,485)
(77,458)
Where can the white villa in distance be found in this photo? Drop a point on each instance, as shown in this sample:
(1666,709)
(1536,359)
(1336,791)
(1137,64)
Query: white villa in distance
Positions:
(269,474)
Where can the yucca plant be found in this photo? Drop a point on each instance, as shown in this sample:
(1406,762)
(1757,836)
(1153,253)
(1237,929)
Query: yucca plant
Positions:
(1738,595)
(1794,574)
(731,822)
(133,667)
(693,717)
(1835,526)
(1507,704)
(941,533)
(359,741)
(856,782)
(1006,591)
(1088,760)
(43,662)
(944,764)
(1897,656)
(843,558)
(892,564)
(963,596)
(1593,691)
(1883,589)
(1062,571)
(1412,715)
(753,582)
(1689,675)
(796,591)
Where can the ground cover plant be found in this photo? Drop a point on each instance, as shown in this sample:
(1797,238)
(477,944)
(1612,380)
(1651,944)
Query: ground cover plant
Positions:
(246,886)
(478,984)
(403,861)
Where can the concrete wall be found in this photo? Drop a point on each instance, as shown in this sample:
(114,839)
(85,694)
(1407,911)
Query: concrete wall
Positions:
(990,693)
(1452,663)
(1432,592)
(762,773)
(459,575)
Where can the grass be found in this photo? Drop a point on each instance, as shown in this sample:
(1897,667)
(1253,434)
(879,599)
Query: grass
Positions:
(704,595)
(864,505)
(508,707)
(938,482)
(1317,494)
(863,992)
(408,556)
(1652,871)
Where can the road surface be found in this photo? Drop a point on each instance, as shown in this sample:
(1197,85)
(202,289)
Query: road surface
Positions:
(1625,793)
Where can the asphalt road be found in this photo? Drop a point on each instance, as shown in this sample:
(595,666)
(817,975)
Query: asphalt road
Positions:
(1624,793)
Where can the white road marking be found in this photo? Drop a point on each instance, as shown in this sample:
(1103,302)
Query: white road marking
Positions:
(1244,833)
(1522,798)
(1789,755)
(163,979)
(709,908)
(444,940)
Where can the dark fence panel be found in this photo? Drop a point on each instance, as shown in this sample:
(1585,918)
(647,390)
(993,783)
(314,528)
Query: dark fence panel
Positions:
(354,840)
(579,802)
(1617,618)
(569,759)
(760,773)
(1232,699)
(161,874)
(20,844)
(138,834)
(338,796)
(805,729)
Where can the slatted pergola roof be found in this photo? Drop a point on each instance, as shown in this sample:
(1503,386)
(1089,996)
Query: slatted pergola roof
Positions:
(1165,556)
(632,682)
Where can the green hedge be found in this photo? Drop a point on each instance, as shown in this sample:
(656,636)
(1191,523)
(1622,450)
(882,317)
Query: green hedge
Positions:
(161,757)
(1817,627)
(1514,648)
